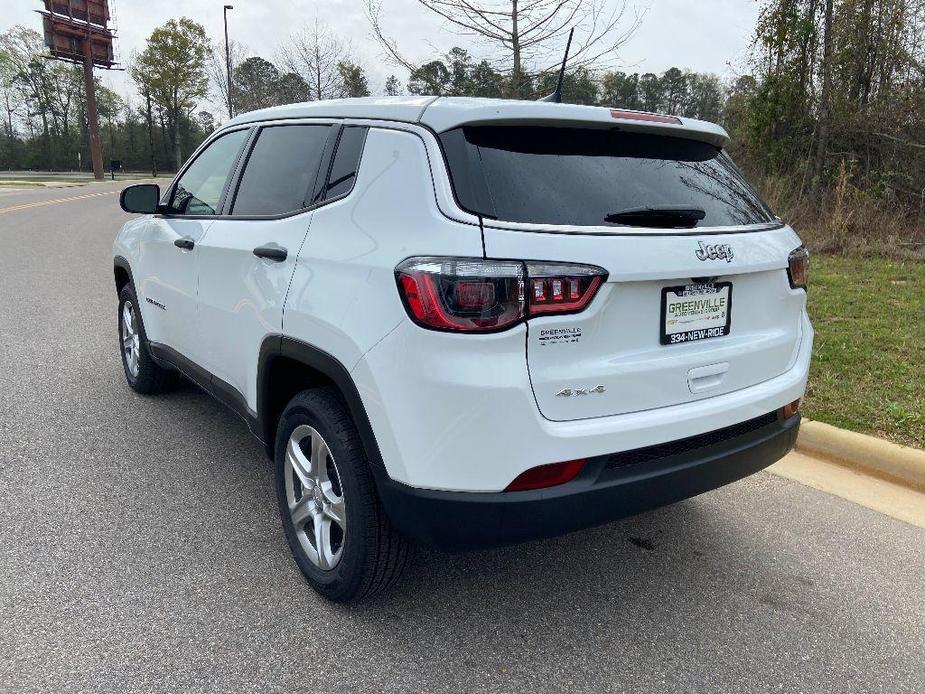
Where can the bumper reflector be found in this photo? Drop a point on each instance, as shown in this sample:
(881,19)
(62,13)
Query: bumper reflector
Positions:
(546,476)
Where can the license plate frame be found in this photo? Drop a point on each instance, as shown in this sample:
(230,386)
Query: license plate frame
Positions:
(695,334)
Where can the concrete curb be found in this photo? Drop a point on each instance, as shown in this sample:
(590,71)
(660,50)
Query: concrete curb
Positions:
(882,458)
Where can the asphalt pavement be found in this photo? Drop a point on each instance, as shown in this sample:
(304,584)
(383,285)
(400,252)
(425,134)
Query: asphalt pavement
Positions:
(140,548)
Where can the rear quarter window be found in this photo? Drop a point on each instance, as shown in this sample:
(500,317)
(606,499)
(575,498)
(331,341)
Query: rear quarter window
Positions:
(346,161)
(586,177)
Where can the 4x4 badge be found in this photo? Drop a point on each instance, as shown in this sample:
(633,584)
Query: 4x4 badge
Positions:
(568,392)
(714,251)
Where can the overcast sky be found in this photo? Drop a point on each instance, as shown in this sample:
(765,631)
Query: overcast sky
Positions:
(706,36)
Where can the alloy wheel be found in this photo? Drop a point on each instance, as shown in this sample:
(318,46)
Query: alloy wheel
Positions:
(131,340)
(315,497)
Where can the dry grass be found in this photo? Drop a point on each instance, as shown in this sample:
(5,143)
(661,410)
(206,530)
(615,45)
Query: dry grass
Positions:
(846,220)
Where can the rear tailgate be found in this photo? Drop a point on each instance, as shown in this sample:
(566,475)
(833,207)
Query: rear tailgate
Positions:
(697,302)
(615,343)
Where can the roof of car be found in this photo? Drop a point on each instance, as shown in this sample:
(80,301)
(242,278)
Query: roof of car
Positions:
(445,113)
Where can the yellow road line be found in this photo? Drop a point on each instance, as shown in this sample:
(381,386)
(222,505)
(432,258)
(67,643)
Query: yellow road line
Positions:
(58,201)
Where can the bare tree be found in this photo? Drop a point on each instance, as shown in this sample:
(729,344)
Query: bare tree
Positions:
(218,68)
(525,35)
(315,53)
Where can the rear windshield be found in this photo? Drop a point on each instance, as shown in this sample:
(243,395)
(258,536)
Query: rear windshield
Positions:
(586,177)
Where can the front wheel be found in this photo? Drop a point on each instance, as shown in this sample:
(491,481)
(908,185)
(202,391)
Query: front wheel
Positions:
(334,523)
(142,373)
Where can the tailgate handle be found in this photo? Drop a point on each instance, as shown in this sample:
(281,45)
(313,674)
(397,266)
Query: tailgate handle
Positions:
(706,377)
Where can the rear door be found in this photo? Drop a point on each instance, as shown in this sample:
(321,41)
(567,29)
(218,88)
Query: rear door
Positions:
(697,301)
(248,256)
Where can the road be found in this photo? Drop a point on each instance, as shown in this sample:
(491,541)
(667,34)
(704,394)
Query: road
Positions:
(141,549)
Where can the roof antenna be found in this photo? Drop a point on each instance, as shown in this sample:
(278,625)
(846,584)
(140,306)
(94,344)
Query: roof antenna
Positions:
(556,96)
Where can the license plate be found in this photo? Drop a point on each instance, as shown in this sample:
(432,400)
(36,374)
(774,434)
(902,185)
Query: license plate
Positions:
(695,312)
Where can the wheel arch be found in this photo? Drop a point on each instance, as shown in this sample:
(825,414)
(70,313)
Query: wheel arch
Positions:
(288,366)
(123,273)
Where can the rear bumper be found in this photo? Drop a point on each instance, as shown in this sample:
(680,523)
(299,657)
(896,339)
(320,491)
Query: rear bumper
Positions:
(610,487)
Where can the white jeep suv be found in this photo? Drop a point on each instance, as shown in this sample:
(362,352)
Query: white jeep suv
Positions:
(469,322)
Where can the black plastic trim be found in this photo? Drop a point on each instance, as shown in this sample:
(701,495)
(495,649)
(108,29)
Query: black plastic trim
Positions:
(311,356)
(123,264)
(600,494)
(222,391)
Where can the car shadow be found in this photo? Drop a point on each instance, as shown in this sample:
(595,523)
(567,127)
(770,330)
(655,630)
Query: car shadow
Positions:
(658,561)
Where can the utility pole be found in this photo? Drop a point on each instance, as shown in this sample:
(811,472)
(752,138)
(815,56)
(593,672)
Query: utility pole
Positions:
(96,144)
(228,60)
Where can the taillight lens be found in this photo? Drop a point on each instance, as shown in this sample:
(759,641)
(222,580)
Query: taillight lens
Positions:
(798,267)
(561,288)
(461,294)
(480,295)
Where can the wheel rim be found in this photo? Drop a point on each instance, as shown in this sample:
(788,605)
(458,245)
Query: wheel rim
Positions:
(131,340)
(315,497)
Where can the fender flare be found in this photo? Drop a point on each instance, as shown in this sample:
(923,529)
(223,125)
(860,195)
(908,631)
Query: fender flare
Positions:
(123,264)
(275,346)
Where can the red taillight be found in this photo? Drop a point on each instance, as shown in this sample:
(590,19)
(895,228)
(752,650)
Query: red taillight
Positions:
(561,294)
(544,476)
(644,116)
(462,294)
(480,295)
(798,268)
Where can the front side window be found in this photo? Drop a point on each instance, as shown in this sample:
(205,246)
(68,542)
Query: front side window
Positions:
(594,177)
(281,170)
(199,189)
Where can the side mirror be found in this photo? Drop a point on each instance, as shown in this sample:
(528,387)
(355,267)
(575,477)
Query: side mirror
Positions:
(143,198)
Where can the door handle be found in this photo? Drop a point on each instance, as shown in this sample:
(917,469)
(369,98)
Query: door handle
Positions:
(271,252)
(186,243)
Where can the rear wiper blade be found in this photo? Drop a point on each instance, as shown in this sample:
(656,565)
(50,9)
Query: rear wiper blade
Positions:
(660,216)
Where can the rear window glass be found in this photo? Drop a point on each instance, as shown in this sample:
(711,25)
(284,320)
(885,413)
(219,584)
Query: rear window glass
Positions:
(587,177)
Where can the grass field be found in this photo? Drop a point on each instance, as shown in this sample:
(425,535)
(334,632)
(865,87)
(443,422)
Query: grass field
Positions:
(868,371)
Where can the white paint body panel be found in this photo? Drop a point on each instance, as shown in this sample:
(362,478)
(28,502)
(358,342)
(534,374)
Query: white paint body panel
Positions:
(166,275)
(343,298)
(459,417)
(619,344)
(241,296)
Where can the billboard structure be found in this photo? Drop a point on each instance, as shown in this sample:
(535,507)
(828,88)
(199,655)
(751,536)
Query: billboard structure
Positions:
(78,31)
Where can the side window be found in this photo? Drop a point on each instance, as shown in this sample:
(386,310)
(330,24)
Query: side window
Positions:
(281,170)
(346,161)
(200,187)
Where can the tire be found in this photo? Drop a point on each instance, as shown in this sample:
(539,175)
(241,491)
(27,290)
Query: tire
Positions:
(366,554)
(142,373)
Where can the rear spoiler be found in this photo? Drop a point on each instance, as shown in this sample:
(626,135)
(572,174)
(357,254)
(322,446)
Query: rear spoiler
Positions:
(445,114)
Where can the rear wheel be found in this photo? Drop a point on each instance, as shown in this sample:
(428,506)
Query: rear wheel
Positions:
(337,530)
(143,374)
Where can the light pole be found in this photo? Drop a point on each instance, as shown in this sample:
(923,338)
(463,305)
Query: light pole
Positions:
(228,59)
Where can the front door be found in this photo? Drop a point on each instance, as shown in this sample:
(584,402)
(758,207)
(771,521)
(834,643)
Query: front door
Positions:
(167,274)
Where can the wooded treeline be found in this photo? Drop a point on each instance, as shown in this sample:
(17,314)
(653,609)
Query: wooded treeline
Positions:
(826,116)
(830,122)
